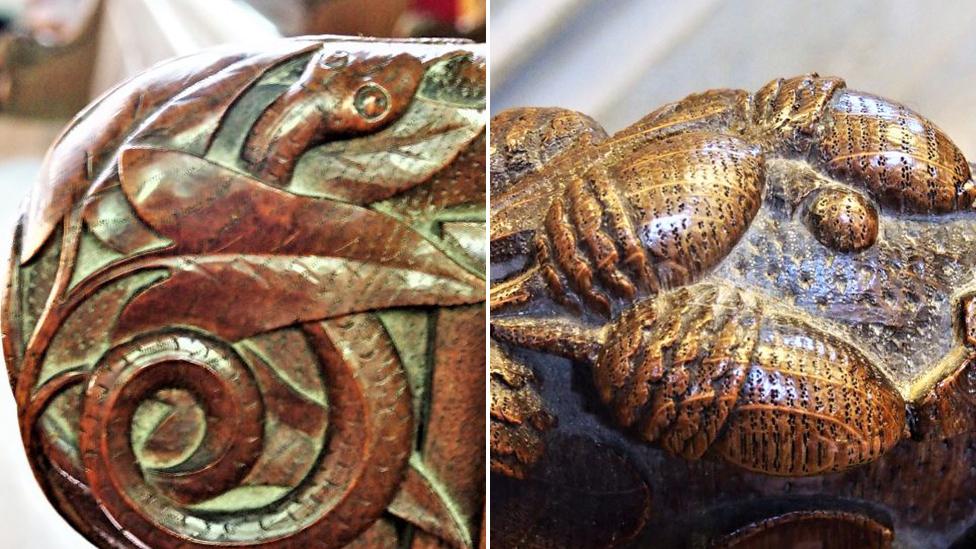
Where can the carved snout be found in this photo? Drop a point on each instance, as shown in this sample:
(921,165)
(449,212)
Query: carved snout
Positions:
(338,95)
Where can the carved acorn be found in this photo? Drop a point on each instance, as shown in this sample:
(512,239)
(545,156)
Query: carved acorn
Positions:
(657,219)
(710,369)
(193,334)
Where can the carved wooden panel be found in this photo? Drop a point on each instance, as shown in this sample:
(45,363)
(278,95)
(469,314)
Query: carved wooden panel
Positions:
(767,298)
(245,304)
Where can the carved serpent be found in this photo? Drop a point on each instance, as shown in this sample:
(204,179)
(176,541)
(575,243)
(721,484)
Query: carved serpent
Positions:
(194,327)
(702,335)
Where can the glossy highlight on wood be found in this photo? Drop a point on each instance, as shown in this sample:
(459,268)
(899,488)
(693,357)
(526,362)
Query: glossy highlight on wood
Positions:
(236,303)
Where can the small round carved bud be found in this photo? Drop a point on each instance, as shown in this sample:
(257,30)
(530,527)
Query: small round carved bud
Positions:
(372,101)
(843,220)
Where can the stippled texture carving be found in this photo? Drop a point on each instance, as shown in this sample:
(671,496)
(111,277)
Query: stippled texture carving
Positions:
(752,286)
(245,301)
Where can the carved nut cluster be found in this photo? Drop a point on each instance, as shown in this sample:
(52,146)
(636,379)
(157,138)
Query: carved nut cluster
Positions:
(625,267)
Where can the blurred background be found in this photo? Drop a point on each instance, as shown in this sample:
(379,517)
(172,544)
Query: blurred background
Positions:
(58,55)
(618,60)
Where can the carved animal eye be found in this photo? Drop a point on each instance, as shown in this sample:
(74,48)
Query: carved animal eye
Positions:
(372,101)
(842,220)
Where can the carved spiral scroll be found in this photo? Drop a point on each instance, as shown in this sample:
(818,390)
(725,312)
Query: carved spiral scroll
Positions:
(367,444)
(215,377)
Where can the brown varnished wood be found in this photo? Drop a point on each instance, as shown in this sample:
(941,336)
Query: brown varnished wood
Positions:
(359,95)
(518,416)
(754,285)
(708,368)
(245,304)
(524,142)
(904,160)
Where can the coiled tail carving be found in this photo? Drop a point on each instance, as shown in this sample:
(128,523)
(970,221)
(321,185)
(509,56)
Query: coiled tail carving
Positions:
(368,420)
(203,370)
(712,370)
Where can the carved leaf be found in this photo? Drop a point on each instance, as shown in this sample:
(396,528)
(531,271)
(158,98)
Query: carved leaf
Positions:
(189,120)
(236,296)
(112,221)
(422,503)
(248,257)
(206,208)
(459,185)
(95,133)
